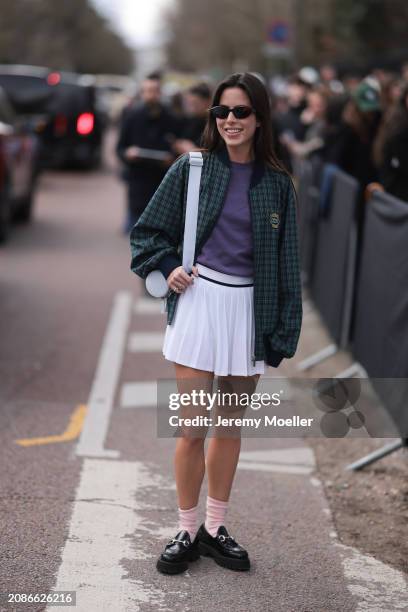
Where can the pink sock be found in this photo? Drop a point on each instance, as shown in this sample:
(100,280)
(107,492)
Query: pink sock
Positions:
(188,521)
(216,511)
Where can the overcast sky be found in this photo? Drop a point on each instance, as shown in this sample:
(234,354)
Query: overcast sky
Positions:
(137,20)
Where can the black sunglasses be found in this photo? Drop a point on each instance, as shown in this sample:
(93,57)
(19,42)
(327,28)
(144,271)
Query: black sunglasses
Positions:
(239,112)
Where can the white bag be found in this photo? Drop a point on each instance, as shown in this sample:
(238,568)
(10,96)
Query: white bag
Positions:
(156,284)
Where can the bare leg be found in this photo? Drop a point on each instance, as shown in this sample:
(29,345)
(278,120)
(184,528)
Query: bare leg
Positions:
(189,459)
(223,453)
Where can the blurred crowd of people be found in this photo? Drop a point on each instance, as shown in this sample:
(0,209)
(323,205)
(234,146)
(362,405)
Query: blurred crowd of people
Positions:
(153,132)
(356,123)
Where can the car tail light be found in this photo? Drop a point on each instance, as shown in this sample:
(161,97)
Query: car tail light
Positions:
(60,125)
(53,78)
(85,123)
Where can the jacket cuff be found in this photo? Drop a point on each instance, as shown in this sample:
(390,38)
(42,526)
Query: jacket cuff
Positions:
(274,358)
(167,264)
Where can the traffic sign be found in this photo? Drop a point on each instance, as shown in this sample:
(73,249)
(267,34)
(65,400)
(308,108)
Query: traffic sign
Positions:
(278,32)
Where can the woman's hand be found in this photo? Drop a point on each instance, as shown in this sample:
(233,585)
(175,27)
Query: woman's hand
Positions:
(178,280)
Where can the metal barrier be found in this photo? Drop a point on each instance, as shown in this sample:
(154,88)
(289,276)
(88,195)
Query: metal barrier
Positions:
(331,278)
(380,338)
(375,301)
(308,218)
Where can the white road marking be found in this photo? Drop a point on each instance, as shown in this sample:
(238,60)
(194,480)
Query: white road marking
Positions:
(272,382)
(147,305)
(377,586)
(295,460)
(296,455)
(272,467)
(146,342)
(105,515)
(100,400)
(139,394)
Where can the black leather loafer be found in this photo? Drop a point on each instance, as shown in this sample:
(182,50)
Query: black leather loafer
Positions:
(223,548)
(177,554)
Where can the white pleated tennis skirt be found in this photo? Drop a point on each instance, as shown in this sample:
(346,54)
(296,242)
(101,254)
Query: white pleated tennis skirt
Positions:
(213,328)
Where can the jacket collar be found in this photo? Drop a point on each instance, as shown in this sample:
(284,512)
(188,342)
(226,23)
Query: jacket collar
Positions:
(259,166)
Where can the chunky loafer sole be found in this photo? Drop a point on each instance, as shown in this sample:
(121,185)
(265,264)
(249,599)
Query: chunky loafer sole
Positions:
(177,567)
(229,562)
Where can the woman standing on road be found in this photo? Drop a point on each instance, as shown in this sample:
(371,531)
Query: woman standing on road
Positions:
(239,310)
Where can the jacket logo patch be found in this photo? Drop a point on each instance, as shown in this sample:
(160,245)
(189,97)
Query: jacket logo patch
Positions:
(274,219)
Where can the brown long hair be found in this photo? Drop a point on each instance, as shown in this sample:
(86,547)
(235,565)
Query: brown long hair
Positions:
(364,123)
(259,97)
(395,121)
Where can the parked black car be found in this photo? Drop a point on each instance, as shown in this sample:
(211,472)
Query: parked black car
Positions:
(64,111)
(19,156)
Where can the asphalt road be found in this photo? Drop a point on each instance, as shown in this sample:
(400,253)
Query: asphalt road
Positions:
(87,496)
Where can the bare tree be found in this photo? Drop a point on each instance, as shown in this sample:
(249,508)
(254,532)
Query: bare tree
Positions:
(64,35)
(221,34)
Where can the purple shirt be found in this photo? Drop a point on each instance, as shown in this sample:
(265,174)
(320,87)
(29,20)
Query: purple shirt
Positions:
(229,247)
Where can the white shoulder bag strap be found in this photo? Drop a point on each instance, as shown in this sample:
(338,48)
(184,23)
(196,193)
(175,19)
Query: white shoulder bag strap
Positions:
(190,227)
(156,284)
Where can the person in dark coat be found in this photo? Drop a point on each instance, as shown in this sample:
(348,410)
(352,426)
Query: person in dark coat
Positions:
(391,149)
(289,122)
(149,125)
(353,146)
(197,101)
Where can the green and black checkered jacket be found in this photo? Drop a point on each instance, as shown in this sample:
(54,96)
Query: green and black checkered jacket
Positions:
(156,242)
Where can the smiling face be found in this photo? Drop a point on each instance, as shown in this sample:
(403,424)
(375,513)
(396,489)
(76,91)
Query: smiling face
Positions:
(238,134)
